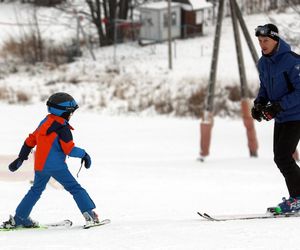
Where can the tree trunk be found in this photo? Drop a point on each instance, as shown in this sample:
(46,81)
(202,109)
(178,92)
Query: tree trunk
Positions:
(113,11)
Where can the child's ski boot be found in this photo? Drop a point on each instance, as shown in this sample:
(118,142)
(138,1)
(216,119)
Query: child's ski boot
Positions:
(16,221)
(91,219)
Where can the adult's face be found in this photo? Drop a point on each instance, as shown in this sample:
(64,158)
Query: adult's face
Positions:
(267,44)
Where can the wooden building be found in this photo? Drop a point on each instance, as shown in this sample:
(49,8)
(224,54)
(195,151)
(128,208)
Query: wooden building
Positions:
(194,16)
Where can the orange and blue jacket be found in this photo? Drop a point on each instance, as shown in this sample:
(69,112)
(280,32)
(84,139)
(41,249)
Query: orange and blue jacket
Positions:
(54,141)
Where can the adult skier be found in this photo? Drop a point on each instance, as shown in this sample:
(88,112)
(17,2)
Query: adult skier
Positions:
(279,98)
(53,141)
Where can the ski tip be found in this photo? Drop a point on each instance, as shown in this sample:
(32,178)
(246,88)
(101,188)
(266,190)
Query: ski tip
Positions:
(68,222)
(207,217)
(201,159)
(202,215)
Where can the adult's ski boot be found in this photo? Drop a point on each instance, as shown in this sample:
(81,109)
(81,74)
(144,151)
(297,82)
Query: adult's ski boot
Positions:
(291,205)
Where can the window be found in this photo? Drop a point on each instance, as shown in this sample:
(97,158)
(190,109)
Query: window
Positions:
(146,19)
(173,19)
(199,17)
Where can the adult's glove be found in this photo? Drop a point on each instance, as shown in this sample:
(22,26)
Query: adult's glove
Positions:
(271,110)
(86,160)
(256,111)
(15,164)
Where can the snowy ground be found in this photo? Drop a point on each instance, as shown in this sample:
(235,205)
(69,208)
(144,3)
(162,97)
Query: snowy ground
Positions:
(146,179)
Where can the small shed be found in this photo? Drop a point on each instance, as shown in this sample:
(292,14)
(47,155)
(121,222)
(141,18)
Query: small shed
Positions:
(194,15)
(154,19)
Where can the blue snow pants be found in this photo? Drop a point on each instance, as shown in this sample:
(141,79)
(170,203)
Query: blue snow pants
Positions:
(65,178)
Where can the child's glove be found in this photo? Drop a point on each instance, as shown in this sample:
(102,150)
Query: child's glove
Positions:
(23,155)
(15,164)
(86,160)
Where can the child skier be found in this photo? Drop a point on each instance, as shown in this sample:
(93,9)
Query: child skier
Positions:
(53,141)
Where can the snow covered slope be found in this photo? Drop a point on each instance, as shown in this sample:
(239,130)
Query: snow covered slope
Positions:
(146,179)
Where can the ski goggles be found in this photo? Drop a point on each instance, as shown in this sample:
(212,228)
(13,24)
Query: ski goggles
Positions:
(265,31)
(71,107)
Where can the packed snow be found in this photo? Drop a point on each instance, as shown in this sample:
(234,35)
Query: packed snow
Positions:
(146,179)
(145,176)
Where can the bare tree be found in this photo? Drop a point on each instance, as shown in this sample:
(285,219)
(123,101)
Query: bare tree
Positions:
(105,15)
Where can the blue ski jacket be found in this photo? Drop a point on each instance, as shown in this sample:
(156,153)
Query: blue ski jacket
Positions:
(280,81)
(54,141)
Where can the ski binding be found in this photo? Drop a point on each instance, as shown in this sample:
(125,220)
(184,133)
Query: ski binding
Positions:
(101,223)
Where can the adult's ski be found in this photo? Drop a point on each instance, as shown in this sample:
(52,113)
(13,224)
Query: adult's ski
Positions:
(246,216)
(58,224)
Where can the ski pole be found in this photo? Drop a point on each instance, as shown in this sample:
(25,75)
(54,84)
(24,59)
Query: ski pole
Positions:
(79,169)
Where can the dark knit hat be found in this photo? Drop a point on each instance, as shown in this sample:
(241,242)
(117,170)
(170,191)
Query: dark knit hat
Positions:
(269,30)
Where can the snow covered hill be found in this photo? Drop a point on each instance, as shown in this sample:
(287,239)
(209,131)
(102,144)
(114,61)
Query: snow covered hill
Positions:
(142,82)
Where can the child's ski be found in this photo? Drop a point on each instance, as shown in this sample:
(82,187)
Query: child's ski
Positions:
(59,224)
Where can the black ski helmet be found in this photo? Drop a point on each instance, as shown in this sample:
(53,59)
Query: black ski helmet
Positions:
(61,104)
(269,30)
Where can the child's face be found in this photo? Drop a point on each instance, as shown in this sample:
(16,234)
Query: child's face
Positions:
(69,117)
